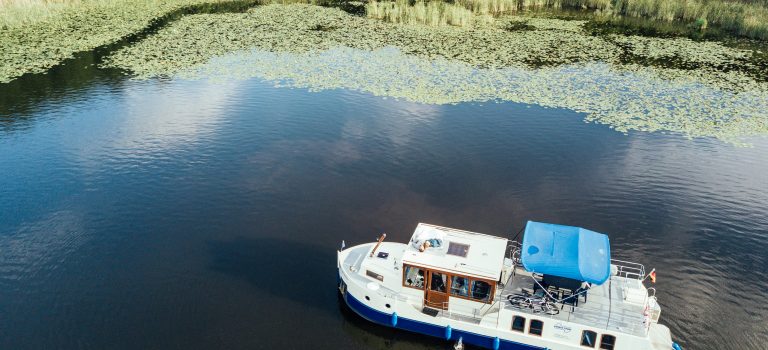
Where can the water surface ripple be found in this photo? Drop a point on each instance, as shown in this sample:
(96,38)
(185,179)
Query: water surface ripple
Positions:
(199,215)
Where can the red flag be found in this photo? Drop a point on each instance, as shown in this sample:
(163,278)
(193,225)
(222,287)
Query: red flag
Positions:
(652,275)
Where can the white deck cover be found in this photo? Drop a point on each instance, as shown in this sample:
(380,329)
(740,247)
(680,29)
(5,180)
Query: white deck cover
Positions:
(485,257)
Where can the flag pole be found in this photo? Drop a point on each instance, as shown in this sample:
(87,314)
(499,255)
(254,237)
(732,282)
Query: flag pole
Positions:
(649,274)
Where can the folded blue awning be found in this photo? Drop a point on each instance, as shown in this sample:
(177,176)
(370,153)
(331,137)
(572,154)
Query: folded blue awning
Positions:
(566,251)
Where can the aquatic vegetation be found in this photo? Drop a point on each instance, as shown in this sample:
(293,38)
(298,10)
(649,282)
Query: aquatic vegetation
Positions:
(52,33)
(548,23)
(683,49)
(194,39)
(626,98)
(38,34)
(552,63)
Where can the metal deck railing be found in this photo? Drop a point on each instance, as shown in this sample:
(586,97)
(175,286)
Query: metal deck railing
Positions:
(628,269)
(466,313)
(594,310)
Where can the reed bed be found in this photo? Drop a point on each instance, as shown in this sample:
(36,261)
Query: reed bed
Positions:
(742,17)
(20,12)
(491,7)
(746,18)
(434,13)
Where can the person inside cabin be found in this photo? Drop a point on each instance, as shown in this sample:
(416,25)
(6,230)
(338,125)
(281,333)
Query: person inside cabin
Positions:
(414,277)
(459,286)
(481,290)
(420,279)
(438,282)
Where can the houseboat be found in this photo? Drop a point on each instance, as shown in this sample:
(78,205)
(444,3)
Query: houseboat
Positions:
(559,289)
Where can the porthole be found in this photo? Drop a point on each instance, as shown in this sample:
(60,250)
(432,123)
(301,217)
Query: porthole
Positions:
(536,327)
(518,324)
(367,298)
(607,342)
(588,339)
(387,305)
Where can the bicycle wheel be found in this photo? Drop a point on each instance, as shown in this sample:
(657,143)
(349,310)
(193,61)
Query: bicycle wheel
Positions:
(517,300)
(550,309)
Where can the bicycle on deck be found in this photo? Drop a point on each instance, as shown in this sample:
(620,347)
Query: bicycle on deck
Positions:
(533,303)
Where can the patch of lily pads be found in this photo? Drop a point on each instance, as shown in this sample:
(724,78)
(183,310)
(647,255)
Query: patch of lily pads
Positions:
(37,46)
(686,50)
(195,39)
(551,63)
(625,98)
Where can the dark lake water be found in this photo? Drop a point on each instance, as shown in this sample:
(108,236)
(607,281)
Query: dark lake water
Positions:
(172,214)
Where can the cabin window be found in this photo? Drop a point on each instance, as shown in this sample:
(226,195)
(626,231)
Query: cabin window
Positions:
(413,277)
(518,324)
(375,275)
(536,328)
(438,282)
(588,338)
(481,290)
(458,249)
(460,286)
(607,342)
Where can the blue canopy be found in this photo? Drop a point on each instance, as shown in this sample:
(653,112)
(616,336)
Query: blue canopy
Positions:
(566,251)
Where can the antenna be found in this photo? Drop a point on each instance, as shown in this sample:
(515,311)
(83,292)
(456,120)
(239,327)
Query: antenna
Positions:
(518,233)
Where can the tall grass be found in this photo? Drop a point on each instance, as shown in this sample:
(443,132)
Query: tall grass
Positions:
(498,7)
(19,12)
(743,17)
(746,17)
(492,7)
(434,13)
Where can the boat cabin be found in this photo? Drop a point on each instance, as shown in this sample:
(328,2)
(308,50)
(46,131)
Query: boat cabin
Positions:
(447,266)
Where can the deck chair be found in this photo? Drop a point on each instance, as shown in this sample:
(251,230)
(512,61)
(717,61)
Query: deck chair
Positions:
(571,299)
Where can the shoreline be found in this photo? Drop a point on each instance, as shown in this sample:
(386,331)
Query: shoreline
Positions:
(49,40)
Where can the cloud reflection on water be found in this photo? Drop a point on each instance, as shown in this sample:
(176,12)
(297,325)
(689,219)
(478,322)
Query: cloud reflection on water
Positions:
(626,98)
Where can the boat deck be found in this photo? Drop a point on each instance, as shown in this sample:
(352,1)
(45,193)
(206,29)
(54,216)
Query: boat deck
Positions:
(616,305)
(605,308)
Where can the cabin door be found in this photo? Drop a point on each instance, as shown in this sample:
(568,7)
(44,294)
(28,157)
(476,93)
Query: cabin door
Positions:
(437,291)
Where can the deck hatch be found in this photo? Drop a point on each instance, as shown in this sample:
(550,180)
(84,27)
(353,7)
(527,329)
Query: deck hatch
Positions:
(458,249)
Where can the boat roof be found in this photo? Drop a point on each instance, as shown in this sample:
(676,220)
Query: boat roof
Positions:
(566,251)
(463,252)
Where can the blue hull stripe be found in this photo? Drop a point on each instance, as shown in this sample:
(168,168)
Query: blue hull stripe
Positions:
(384,319)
